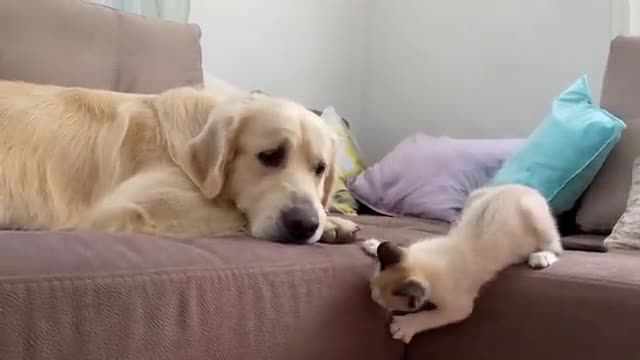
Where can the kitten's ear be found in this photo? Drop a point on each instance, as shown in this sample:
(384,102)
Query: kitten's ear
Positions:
(415,292)
(389,254)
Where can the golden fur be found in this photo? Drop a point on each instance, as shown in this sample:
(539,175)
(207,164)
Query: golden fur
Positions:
(499,226)
(181,163)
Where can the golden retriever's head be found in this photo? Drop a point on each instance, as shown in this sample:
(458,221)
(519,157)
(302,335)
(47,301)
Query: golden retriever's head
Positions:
(398,286)
(272,158)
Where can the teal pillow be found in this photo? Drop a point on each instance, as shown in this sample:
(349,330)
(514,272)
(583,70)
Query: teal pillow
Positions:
(563,154)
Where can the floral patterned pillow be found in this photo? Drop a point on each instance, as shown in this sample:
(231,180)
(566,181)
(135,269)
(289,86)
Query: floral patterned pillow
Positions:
(626,232)
(349,161)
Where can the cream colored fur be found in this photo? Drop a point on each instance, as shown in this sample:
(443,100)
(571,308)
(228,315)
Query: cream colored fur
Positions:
(181,163)
(499,227)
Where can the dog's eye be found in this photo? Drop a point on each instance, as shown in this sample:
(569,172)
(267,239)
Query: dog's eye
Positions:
(320,168)
(273,158)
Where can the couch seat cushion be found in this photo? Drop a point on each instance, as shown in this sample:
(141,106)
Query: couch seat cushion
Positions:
(584,306)
(87,295)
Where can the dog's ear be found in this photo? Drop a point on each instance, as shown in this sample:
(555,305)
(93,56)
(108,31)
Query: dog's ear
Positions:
(206,156)
(199,135)
(389,254)
(331,179)
(414,291)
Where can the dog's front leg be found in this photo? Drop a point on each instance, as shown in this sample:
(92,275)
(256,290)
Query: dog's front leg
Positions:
(339,231)
(406,326)
(126,218)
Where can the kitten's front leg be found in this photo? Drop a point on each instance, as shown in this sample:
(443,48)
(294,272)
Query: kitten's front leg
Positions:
(406,326)
(370,247)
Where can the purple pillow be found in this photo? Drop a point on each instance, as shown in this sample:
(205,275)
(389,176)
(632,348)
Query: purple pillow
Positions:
(431,177)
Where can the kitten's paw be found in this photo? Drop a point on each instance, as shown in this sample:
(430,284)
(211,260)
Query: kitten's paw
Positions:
(404,328)
(371,247)
(542,259)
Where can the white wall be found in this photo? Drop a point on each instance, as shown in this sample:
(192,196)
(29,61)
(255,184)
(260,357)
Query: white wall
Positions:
(458,67)
(474,68)
(310,50)
(634,16)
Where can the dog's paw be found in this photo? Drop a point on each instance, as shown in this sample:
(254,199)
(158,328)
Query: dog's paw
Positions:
(404,328)
(339,231)
(371,247)
(542,259)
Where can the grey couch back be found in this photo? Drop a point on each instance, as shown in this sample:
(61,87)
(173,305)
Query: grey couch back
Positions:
(76,43)
(605,200)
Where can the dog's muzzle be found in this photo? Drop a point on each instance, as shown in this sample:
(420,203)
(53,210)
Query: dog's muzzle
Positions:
(299,222)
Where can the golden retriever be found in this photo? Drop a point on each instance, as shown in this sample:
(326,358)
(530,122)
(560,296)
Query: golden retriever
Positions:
(181,163)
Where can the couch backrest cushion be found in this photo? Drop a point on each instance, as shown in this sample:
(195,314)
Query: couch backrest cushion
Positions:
(605,200)
(76,43)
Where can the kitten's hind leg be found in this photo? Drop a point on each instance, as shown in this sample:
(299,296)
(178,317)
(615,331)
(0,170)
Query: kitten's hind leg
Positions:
(542,259)
(550,248)
(546,233)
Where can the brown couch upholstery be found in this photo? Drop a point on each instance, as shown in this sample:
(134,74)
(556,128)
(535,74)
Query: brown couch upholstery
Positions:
(83,295)
(73,43)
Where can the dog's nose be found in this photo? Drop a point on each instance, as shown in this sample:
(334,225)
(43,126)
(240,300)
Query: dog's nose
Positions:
(300,223)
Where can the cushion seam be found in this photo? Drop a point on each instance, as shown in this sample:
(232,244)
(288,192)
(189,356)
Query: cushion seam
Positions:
(9,282)
(590,281)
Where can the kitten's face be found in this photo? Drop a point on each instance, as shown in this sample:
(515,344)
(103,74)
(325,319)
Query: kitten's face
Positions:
(395,286)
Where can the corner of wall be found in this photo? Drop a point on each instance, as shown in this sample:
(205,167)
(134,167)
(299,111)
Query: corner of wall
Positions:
(622,17)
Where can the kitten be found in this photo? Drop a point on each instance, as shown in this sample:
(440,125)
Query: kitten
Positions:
(499,226)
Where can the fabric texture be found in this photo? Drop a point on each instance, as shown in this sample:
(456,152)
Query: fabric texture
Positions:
(343,202)
(431,177)
(605,200)
(87,295)
(626,232)
(582,307)
(349,160)
(76,43)
(565,152)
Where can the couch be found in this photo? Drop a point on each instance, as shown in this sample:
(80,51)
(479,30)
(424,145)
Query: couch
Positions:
(88,295)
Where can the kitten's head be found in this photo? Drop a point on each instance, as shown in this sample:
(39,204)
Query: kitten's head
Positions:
(397,286)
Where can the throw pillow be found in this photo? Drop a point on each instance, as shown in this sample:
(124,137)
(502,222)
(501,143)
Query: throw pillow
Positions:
(564,153)
(349,159)
(626,232)
(349,162)
(431,177)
